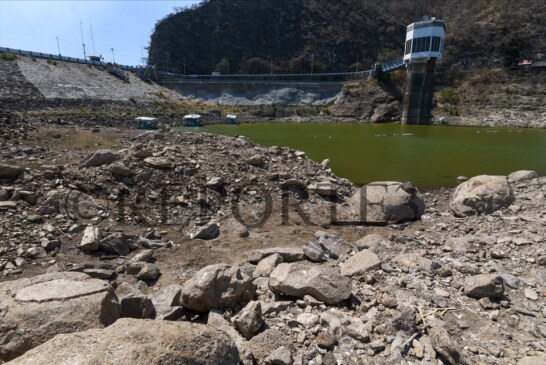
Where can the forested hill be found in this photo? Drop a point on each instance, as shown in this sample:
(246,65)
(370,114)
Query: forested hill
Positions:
(259,36)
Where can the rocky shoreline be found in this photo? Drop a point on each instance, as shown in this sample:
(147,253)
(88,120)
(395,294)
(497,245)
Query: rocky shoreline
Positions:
(160,247)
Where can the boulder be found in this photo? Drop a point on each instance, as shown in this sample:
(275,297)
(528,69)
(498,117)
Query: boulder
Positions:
(415,260)
(321,282)
(208,231)
(263,344)
(143,256)
(4,195)
(484,286)
(217,286)
(522,175)
(167,296)
(249,320)
(72,203)
(120,170)
(361,263)
(33,310)
(326,188)
(8,205)
(369,241)
(256,160)
(101,157)
(332,244)
(10,172)
(482,194)
(387,202)
(281,356)
(90,239)
(159,163)
(98,273)
(288,254)
(138,341)
(266,265)
(134,304)
(446,347)
(117,244)
(143,270)
(143,153)
(313,251)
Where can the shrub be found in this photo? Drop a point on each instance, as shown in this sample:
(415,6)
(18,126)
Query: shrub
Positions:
(8,56)
(449,95)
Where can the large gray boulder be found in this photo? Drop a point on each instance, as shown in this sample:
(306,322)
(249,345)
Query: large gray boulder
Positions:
(159,163)
(215,287)
(361,263)
(332,244)
(484,285)
(10,171)
(134,304)
(482,194)
(36,309)
(387,202)
(90,239)
(208,231)
(522,175)
(138,341)
(300,279)
(249,320)
(72,203)
(446,347)
(167,302)
(288,254)
(117,244)
(120,170)
(101,157)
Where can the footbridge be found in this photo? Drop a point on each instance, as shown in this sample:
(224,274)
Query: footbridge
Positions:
(270,88)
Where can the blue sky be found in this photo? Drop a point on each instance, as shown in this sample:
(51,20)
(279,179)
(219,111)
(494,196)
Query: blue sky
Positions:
(125,25)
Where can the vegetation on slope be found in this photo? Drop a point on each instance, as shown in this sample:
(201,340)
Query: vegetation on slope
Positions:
(303,36)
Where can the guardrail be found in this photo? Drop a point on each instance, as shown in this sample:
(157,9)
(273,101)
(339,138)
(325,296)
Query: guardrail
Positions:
(393,65)
(341,76)
(49,56)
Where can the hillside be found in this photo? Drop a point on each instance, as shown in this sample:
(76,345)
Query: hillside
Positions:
(259,36)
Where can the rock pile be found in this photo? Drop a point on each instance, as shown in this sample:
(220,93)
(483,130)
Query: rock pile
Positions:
(458,282)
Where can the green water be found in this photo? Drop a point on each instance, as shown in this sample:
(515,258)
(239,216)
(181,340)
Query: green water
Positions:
(428,156)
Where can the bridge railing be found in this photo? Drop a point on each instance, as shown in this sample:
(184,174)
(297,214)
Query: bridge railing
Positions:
(337,76)
(386,67)
(393,65)
(49,56)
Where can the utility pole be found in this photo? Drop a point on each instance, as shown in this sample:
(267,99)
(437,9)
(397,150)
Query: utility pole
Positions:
(312,62)
(357,64)
(113,56)
(58,47)
(83,43)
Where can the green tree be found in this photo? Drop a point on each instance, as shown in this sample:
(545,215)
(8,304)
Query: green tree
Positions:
(222,66)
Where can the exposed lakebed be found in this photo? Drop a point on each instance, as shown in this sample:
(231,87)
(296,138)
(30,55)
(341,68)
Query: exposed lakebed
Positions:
(428,156)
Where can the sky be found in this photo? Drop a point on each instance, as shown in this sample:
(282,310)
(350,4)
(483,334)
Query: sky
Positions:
(124,25)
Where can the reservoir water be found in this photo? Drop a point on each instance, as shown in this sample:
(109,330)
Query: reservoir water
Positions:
(428,156)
